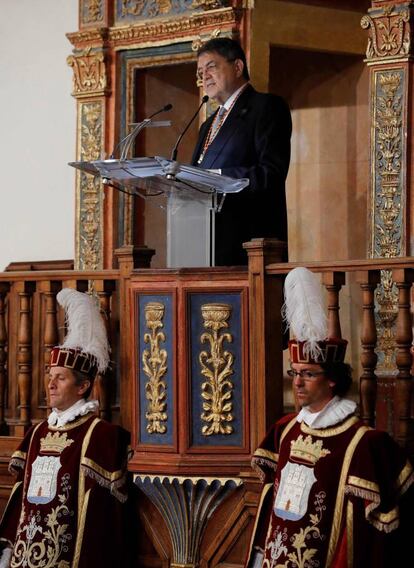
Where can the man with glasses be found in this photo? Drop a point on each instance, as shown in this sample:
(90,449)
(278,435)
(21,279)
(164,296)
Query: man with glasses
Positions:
(336,491)
(248,136)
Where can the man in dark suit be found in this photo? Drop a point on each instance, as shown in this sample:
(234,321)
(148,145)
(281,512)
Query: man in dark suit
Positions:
(248,136)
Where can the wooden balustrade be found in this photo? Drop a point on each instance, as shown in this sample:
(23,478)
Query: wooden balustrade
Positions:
(367,273)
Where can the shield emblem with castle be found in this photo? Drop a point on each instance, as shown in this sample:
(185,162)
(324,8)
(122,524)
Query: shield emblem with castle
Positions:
(43,481)
(291,501)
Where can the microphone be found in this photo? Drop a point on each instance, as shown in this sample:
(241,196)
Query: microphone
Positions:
(175,149)
(135,131)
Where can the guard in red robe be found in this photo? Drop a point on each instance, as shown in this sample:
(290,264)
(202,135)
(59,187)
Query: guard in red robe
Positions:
(67,508)
(336,493)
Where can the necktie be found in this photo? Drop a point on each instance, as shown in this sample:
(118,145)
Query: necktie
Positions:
(218,121)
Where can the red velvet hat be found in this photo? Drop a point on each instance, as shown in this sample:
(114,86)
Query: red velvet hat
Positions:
(85,348)
(304,312)
(332,350)
(75,360)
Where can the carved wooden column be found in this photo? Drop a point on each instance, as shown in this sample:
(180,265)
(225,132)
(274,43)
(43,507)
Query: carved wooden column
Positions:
(105,290)
(4,288)
(24,355)
(388,55)
(333,282)
(91,88)
(405,423)
(266,339)
(368,281)
(48,290)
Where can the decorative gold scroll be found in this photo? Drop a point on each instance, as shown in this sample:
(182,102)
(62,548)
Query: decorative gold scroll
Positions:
(387,228)
(154,365)
(389,30)
(89,73)
(89,218)
(216,366)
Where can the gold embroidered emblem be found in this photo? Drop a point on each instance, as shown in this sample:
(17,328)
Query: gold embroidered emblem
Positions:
(55,443)
(306,450)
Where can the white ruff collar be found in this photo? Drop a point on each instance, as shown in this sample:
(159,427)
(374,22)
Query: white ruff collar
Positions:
(80,408)
(334,412)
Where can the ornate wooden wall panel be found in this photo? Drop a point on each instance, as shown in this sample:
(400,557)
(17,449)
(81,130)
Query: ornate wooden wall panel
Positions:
(388,54)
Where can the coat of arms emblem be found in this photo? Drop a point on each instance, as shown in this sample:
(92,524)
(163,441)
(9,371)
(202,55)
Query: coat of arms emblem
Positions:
(43,481)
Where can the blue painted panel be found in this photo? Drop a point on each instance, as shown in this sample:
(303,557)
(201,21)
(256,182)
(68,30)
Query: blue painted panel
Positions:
(196,301)
(146,437)
(138,10)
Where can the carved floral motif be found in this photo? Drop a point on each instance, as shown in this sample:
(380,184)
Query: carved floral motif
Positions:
(90,196)
(154,365)
(89,73)
(216,366)
(92,11)
(389,32)
(387,201)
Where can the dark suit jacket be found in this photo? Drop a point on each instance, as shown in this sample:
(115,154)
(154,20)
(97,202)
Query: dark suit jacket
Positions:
(254,142)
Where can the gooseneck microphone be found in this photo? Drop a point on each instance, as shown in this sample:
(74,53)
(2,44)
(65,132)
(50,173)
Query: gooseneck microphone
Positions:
(127,140)
(175,149)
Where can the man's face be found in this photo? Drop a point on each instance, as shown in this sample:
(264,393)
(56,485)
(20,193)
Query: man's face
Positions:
(63,390)
(314,392)
(220,77)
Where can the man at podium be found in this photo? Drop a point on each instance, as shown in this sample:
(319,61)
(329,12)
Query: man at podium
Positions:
(248,136)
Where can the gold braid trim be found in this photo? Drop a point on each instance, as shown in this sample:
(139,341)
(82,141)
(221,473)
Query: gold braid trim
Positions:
(405,479)
(81,529)
(105,478)
(337,518)
(265,491)
(327,432)
(384,522)
(350,534)
(17,462)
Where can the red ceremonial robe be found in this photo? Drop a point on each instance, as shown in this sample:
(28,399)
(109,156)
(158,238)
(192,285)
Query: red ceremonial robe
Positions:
(331,496)
(66,508)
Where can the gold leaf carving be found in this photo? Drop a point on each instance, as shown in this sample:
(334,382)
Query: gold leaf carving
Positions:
(92,11)
(216,366)
(90,197)
(389,33)
(89,73)
(387,202)
(154,365)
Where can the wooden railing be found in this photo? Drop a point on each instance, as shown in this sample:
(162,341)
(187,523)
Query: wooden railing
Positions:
(367,274)
(30,325)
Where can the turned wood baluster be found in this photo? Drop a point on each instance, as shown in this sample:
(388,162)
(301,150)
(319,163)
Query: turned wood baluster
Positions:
(3,354)
(50,332)
(24,354)
(404,426)
(333,282)
(104,290)
(368,281)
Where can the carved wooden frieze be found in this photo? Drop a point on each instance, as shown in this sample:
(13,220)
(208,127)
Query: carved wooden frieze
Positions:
(89,73)
(389,32)
(130,10)
(89,217)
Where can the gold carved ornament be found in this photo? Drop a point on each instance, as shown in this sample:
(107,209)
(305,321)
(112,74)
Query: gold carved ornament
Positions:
(216,366)
(387,204)
(94,11)
(89,73)
(154,365)
(89,255)
(390,33)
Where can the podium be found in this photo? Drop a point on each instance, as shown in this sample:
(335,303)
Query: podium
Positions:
(192,197)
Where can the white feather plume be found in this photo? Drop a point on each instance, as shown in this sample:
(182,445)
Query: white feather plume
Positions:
(304,310)
(86,329)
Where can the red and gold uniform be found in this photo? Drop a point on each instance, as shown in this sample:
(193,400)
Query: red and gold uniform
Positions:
(331,497)
(66,508)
